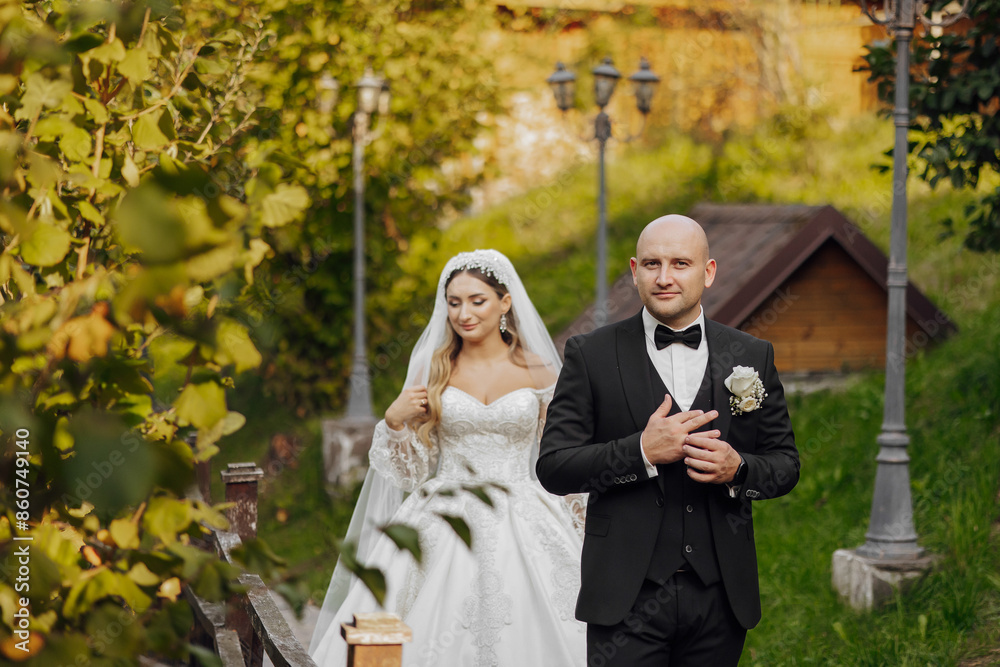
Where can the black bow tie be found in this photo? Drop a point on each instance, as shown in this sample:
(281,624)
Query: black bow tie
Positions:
(664,336)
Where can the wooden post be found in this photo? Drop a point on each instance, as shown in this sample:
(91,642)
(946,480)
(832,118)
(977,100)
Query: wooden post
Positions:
(241,489)
(375,640)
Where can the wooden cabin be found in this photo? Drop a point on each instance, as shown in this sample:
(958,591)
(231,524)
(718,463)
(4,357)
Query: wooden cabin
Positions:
(804,278)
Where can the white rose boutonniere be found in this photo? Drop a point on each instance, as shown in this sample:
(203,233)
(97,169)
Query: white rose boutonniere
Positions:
(747,389)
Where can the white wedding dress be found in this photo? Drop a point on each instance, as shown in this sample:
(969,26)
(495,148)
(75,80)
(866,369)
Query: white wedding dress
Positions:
(507,602)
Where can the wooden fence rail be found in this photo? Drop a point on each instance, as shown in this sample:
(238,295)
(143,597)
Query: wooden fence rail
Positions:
(251,624)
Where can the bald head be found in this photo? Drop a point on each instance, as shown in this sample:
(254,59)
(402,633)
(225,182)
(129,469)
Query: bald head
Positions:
(680,227)
(671,269)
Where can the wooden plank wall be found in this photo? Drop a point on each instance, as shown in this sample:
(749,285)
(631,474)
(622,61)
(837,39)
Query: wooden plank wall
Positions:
(828,316)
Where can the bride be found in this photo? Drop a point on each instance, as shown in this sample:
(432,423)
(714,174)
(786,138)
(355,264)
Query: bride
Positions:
(478,383)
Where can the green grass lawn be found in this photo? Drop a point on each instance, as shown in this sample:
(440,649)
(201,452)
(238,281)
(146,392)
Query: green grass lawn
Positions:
(953,401)
(953,392)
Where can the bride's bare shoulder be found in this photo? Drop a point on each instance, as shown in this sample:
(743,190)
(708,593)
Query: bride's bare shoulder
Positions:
(543,373)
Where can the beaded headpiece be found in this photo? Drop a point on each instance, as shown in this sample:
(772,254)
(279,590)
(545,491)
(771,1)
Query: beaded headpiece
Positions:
(490,262)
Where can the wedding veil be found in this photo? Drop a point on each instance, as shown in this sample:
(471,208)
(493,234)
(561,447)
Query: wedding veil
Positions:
(380,498)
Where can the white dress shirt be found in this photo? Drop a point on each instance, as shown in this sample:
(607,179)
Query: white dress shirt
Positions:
(681,368)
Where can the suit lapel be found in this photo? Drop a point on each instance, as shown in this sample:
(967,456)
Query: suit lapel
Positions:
(719,344)
(633,370)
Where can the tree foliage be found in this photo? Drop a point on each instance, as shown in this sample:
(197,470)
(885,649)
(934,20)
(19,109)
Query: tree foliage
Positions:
(417,175)
(174,214)
(139,194)
(954,99)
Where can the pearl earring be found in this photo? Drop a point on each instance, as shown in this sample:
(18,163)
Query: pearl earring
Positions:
(503,323)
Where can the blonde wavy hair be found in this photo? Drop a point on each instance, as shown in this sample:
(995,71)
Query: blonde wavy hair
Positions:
(443,359)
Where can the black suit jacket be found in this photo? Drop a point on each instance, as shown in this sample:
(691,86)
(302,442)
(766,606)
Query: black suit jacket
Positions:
(590,444)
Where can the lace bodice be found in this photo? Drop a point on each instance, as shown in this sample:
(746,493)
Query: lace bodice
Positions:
(487,442)
(475,441)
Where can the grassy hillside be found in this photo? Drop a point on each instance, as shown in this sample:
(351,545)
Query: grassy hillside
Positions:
(953,401)
(953,391)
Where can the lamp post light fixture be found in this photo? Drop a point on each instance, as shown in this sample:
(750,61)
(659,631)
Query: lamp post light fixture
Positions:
(644,84)
(563,84)
(329,91)
(373,95)
(891,534)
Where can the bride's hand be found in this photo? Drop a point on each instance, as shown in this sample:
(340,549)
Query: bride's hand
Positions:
(412,402)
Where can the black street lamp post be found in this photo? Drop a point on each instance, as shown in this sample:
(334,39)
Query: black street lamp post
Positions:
(345,440)
(563,84)
(373,95)
(891,534)
(890,558)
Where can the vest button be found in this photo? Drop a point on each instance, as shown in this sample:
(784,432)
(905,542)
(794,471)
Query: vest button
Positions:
(689,508)
(659,501)
(687,548)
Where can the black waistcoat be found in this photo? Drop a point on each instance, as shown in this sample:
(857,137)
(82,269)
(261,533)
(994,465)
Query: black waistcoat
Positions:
(685,537)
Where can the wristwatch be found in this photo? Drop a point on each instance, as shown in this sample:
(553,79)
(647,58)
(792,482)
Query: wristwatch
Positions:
(741,473)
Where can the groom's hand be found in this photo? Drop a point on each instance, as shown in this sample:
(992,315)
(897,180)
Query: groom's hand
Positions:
(709,459)
(663,437)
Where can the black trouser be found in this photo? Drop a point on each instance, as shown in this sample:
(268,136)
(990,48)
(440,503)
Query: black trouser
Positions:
(682,623)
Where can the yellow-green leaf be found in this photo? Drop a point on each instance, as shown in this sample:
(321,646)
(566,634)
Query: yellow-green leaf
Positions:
(45,172)
(60,400)
(135,66)
(124,533)
(212,264)
(233,346)
(73,605)
(143,576)
(10,146)
(254,256)
(147,132)
(89,212)
(101,583)
(41,92)
(51,128)
(201,405)
(170,589)
(76,143)
(8,83)
(24,280)
(211,516)
(132,594)
(166,517)
(47,245)
(130,172)
(233,422)
(148,222)
(108,52)
(206,450)
(96,109)
(284,205)
(61,437)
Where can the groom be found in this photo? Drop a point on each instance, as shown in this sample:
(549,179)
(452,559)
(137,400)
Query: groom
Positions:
(661,419)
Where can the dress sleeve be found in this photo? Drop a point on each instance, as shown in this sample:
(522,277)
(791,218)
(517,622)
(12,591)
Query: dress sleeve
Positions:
(576,503)
(544,398)
(401,457)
